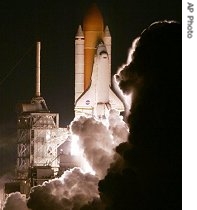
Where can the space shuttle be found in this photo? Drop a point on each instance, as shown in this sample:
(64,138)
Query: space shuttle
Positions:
(93,93)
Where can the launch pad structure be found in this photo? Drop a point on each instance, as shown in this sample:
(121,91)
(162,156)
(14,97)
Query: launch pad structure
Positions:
(43,148)
(40,143)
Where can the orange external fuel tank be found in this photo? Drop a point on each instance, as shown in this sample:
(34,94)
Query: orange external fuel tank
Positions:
(93,28)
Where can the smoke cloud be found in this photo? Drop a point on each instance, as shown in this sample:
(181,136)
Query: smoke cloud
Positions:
(71,191)
(151,176)
(76,189)
(99,140)
(15,201)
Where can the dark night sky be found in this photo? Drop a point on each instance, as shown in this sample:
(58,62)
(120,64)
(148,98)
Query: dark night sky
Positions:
(55,24)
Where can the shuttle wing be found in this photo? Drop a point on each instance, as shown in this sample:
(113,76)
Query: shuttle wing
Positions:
(86,102)
(115,102)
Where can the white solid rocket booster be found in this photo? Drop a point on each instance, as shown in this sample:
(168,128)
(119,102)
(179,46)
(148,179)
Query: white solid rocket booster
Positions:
(79,63)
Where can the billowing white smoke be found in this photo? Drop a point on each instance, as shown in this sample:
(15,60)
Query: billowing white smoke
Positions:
(99,139)
(3,179)
(15,201)
(71,191)
(75,189)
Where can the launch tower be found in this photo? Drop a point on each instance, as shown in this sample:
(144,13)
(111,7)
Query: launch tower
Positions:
(38,139)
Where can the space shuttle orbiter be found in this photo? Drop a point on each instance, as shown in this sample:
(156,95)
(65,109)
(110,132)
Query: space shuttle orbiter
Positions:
(93,93)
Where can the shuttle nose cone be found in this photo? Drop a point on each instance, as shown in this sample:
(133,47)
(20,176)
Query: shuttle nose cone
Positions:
(93,21)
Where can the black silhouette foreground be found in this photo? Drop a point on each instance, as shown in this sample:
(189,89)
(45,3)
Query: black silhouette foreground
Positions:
(151,178)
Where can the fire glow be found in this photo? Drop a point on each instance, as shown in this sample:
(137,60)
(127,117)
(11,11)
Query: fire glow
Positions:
(77,151)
